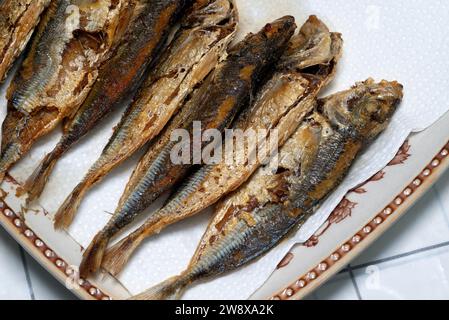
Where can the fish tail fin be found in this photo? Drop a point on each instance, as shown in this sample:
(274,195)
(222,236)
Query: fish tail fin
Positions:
(35,184)
(117,257)
(93,255)
(170,289)
(66,213)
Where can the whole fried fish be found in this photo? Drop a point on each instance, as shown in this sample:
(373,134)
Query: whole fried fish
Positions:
(312,163)
(307,66)
(225,92)
(18,18)
(118,80)
(201,41)
(73,39)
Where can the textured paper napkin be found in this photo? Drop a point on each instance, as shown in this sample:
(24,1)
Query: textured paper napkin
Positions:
(404,40)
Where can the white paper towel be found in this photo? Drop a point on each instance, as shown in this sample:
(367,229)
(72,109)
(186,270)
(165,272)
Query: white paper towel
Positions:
(404,40)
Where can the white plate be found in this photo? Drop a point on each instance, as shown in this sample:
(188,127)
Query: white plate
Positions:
(361,218)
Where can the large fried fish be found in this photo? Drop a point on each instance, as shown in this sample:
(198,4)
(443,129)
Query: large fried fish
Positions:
(225,92)
(307,66)
(312,164)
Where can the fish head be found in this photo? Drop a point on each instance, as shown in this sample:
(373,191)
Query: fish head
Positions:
(312,46)
(365,109)
(212,13)
(283,26)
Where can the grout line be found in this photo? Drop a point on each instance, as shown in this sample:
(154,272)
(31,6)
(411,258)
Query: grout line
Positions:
(27,273)
(399,256)
(344,270)
(440,202)
(354,282)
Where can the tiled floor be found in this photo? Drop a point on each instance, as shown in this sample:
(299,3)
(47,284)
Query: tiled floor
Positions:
(411,261)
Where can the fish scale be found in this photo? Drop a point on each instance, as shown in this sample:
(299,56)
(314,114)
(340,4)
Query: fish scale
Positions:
(48,57)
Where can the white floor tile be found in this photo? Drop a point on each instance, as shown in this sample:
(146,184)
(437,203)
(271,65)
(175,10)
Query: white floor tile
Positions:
(44,285)
(340,287)
(422,276)
(424,225)
(442,192)
(13,285)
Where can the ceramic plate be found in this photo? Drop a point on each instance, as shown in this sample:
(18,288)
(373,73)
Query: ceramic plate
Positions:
(362,216)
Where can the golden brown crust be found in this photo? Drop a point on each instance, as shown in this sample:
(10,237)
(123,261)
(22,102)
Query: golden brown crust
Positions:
(18,19)
(71,43)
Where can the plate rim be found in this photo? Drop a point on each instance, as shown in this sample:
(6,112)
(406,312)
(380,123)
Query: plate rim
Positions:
(379,223)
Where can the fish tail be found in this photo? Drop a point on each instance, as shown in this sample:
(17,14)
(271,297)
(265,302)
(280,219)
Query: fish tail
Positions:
(119,254)
(93,255)
(35,184)
(170,289)
(117,257)
(66,213)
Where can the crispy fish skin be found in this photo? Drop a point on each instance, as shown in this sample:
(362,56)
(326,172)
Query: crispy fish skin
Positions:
(282,104)
(196,49)
(73,39)
(222,96)
(118,79)
(18,18)
(312,163)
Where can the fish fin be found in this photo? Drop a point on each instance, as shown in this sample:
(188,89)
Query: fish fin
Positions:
(66,213)
(170,289)
(35,184)
(117,257)
(93,255)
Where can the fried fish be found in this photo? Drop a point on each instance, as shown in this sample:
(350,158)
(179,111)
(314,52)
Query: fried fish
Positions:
(18,18)
(307,66)
(73,39)
(225,92)
(118,80)
(196,49)
(313,162)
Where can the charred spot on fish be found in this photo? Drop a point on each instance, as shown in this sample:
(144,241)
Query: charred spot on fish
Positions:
(172,96)
(212,240)
(224,22)
(114,4)
(281,170)
(315,69)
(252,204)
